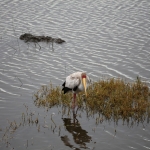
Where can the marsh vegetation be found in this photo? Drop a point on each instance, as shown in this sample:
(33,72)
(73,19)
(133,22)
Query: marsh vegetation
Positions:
(112,99)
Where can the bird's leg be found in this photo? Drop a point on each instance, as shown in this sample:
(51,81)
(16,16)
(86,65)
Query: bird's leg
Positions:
(74,101)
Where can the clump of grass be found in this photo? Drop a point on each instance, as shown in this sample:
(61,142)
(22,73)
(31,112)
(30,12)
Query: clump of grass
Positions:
(49,96)
(112,98)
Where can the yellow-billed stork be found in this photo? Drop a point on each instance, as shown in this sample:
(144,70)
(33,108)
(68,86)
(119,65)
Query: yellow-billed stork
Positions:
(76,82)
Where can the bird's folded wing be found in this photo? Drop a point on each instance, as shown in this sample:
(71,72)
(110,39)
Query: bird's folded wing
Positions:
(72,82)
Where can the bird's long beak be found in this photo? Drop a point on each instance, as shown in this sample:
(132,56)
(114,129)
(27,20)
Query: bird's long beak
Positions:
(84,85)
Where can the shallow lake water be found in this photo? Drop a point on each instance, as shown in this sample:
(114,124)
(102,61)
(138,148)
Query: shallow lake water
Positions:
(104,38)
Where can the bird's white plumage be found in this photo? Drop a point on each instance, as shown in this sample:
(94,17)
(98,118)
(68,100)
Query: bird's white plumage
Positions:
(74,80)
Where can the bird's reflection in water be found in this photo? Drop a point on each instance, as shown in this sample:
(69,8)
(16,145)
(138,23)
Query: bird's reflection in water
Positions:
(79,135)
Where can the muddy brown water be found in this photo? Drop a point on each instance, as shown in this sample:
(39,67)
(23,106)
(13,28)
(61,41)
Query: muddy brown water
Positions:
(103,38)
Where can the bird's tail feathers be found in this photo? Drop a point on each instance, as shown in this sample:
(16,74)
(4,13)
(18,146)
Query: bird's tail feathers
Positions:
(64,84)
(66,89)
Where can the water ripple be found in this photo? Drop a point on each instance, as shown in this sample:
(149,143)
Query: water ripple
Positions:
(103,38)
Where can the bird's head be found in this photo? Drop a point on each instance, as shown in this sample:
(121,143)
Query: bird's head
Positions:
(83,76)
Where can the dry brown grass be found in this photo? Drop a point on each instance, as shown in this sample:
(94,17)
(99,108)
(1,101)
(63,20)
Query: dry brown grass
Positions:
(111,99)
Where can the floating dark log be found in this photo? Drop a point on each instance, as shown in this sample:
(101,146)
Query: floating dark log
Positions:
(27,37)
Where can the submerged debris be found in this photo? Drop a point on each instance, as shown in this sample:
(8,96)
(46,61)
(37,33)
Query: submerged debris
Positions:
(112,99)
(27,37)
